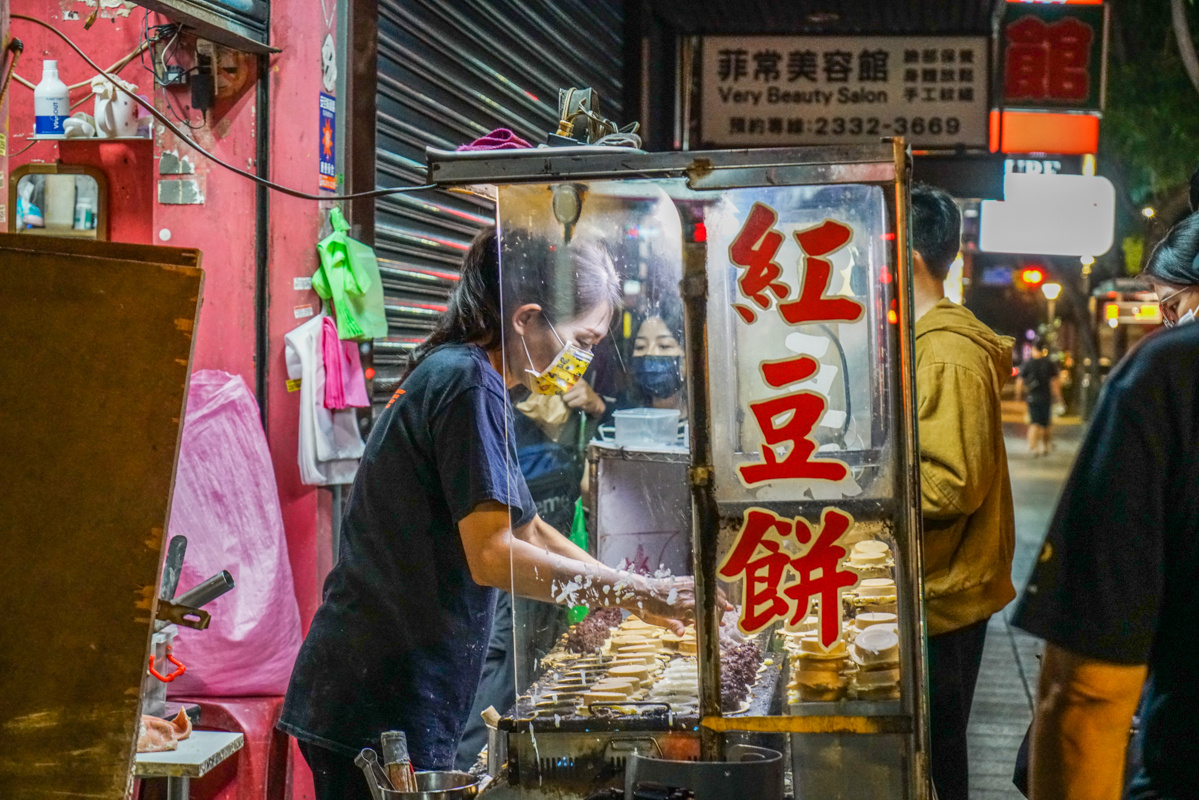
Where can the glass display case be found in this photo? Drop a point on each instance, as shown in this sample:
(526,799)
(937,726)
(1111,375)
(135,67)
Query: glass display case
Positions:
(745,317)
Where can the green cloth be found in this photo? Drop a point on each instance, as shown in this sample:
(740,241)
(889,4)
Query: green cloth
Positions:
(578,535)
(349,275)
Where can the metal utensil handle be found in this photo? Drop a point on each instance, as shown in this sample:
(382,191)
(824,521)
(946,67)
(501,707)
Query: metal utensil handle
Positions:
(204,593)
(368,762)
(172,567)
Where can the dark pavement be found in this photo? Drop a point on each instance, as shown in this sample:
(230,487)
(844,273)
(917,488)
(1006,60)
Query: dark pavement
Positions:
(1007,683)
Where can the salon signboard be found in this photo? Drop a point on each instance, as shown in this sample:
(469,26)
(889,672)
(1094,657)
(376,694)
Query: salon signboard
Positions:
(770,91)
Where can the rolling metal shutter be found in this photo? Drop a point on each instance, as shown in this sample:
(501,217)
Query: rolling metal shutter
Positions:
(448,74)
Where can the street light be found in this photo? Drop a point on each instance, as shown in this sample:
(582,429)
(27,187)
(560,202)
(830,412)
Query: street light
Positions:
(1148,212)
(1051,292)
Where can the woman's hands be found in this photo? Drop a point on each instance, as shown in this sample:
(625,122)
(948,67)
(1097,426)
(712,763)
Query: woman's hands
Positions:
(670,603)
(582,396)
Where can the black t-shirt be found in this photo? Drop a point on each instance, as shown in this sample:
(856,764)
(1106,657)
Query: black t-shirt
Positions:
(1118,577)
(399,641)
(1038,375)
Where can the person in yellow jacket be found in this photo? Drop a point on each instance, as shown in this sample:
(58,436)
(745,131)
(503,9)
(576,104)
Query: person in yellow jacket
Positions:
(966,495)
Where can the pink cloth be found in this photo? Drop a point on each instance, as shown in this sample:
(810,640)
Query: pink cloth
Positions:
(227,505)
(345,385)
(498,139)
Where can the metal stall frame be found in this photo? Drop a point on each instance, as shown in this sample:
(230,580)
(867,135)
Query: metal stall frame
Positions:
(887,164)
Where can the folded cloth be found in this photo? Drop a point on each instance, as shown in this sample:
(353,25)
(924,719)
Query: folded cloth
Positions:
(345,385)
(498,139)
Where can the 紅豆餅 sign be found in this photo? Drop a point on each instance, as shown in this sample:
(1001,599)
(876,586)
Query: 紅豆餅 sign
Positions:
(769,91)
(1053,56)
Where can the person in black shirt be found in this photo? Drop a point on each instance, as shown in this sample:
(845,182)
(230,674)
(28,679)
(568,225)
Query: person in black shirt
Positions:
(1118,576)
(1041,387)
(551,437)
(439,514)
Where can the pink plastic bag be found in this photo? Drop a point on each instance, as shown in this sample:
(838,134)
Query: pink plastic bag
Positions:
(227,505)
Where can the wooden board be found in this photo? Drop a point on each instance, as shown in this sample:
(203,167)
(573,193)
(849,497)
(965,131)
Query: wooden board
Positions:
(95,345)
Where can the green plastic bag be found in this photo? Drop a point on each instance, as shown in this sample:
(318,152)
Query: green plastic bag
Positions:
(349,276)
(578,535)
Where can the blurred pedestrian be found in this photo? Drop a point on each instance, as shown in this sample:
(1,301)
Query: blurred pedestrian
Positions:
(1041,387)
(1117,573)
(966,496)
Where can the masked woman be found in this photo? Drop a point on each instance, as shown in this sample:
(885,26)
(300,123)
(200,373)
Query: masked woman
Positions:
(656,372)
(439,515)
(1173,275)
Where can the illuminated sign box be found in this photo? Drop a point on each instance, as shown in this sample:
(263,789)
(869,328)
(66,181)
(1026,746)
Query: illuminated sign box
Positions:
(1053,56)
(1044,132)
(770,91)
(1057,215)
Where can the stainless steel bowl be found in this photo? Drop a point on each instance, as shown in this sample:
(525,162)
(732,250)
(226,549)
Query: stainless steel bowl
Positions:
(438,785)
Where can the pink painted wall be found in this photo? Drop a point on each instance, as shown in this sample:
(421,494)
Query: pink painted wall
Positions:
(224,225)
(295,87)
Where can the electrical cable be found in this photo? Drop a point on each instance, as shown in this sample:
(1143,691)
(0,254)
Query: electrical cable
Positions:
(16,47)
(173,128)
(115,68)
(32,142)
(150,41)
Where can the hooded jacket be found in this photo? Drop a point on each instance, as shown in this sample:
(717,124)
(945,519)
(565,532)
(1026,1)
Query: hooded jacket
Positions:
(966,495)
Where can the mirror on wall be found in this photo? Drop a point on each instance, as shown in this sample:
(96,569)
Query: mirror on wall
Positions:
(58,200)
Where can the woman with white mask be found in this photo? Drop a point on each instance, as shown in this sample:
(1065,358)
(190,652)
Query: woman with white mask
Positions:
(1173,272)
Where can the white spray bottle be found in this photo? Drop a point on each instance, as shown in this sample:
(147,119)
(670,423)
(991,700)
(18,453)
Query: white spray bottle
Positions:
(51,103)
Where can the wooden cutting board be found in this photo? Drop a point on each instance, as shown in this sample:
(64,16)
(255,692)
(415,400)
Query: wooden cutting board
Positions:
(95,345)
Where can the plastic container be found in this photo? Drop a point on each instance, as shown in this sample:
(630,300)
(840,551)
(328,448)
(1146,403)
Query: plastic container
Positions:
(51,103)
(646,426)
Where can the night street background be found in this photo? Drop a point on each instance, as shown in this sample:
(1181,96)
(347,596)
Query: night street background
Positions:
(1007,683)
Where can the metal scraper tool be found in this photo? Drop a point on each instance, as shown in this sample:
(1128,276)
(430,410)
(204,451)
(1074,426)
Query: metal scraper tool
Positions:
(376,778)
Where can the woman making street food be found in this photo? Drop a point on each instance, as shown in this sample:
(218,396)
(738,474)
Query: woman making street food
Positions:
(440,516)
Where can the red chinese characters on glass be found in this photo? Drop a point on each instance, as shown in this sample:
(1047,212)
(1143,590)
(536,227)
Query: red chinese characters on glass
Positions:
(1048,61)
(757,557)
(819,577)
(788,421)
(813,304)
(778,585)
(754,250)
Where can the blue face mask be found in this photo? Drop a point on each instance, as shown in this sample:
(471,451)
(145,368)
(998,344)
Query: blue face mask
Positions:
(658,377)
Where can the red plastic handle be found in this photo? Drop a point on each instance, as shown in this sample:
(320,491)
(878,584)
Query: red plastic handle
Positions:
(180,669)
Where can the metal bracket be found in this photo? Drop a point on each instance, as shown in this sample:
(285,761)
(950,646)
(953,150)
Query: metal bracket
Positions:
(700,476)
(183,615)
